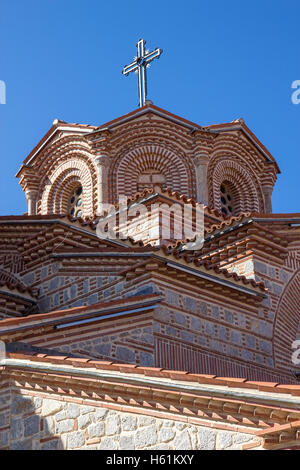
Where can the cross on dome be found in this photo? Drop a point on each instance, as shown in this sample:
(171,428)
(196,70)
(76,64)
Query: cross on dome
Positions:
(139,65)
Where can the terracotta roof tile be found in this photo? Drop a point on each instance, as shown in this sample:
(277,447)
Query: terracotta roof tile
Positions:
(120,304)
(233,382)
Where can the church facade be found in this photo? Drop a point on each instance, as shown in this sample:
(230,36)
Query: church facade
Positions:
(149,337)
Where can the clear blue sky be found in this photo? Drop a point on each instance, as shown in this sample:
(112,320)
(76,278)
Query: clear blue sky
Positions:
(221,60)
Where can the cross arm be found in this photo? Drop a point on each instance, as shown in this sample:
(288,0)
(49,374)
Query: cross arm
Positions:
(152,55)
(130,68)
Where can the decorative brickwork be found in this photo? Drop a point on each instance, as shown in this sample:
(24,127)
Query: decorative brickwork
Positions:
(151,341)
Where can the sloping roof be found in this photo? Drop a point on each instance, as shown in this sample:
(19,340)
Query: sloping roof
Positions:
(92,312)
(182,376)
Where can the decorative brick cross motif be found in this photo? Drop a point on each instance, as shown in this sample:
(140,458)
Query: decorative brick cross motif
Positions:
(140,64)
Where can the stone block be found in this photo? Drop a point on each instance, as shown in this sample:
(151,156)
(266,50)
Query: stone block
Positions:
(145,290)
(166,435)
(259,358)
(229,316)
(3,419)
(73,291)
(54,284)
(217,345)
(215,311)
(265,346)
(146,359)
(92,299)
(250,341)
(182,441)
(235,337)
(206,439)
(28,279)
(96,430)
(247,355)
(44,272)
(240,438)
(56,300)
(49,425)
(51,445)
(119,287)
(189,304)
(31,425)
(72,411)
(126,442)
(3,439)
(37,402)
(209,329)
(125,354)
(162,314)
(64,426)
(103,349)
(86,409)
(21,404)
(25,444)
(128,422)
(178,425)
(260,267)
(67,295)
(224,440)
(222,333)
(51,407)
(172,298)
(86,286)
(145,421)
(171,331)
(277,289)
(113,425)
(16,428)
(61,415)
(148,339)
(203,308)
(84,421)
(76,440)
(100,413)
(146,436)
(283,275)
(265,328)
(196,324)
(186,336)
(179,318)
(108,443)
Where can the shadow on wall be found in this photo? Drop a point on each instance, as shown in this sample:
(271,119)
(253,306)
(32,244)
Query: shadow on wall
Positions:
(30,428)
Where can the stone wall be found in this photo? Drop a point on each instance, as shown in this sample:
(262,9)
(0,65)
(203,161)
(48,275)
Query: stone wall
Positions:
(5,406)
(54,424)
(207,333)
(134,345)
(59,289)
(279,311)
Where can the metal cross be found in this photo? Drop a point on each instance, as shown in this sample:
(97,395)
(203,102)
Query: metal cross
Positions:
(140,64)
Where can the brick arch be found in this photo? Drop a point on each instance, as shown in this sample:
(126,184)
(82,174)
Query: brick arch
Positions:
(124,172)
(60,183)
(247,192)
(64,189)
(286,324)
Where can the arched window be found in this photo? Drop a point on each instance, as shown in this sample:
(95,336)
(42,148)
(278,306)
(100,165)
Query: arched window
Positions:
(228,199)
(150,179)
(75,203)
